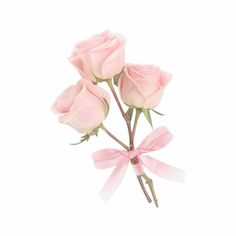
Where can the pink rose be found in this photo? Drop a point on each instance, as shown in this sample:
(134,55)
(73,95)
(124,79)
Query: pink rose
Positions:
(83,106)
(142,86)
(102,55)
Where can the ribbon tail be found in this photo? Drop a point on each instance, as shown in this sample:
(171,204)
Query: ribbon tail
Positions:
(163,170)
(113,181)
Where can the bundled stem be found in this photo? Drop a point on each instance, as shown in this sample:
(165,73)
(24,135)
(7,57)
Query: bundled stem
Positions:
(150,185)
(131,144)
(140,180)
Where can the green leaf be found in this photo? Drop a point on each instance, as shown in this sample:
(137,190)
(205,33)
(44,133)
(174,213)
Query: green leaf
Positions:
(161,114)
(147,114)
(129,113)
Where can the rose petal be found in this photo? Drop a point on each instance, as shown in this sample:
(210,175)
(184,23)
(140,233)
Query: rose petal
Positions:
(114,63)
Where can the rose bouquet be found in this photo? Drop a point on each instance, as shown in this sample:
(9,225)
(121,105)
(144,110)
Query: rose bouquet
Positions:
(85,105)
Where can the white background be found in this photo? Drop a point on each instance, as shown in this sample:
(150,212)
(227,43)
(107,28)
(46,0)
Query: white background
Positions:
(48,187)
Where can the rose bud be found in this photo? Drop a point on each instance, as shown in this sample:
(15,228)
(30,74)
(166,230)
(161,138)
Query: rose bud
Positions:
(83,106)
(101,56)
(142,86)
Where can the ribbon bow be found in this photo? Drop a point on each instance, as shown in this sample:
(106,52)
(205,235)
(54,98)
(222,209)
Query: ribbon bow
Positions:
(156,140)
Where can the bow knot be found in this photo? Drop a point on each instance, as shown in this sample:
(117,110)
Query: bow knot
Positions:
(133,153)
(156,140)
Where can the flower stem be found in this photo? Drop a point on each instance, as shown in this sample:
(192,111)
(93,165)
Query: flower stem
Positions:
(114,137)
(143,188)
(150,185)
(131,144)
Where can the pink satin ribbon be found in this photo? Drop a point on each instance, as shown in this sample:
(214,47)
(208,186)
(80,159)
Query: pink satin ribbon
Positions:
(156,140)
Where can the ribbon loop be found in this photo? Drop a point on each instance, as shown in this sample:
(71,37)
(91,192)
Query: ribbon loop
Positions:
(107,158)
(156,140)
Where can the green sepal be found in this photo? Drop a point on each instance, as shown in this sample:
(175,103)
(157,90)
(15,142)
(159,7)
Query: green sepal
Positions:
(87,136)
(161,114)
(107,106)
(115,79)
(147,114)
(99,80)
(129,113)
(117,76)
